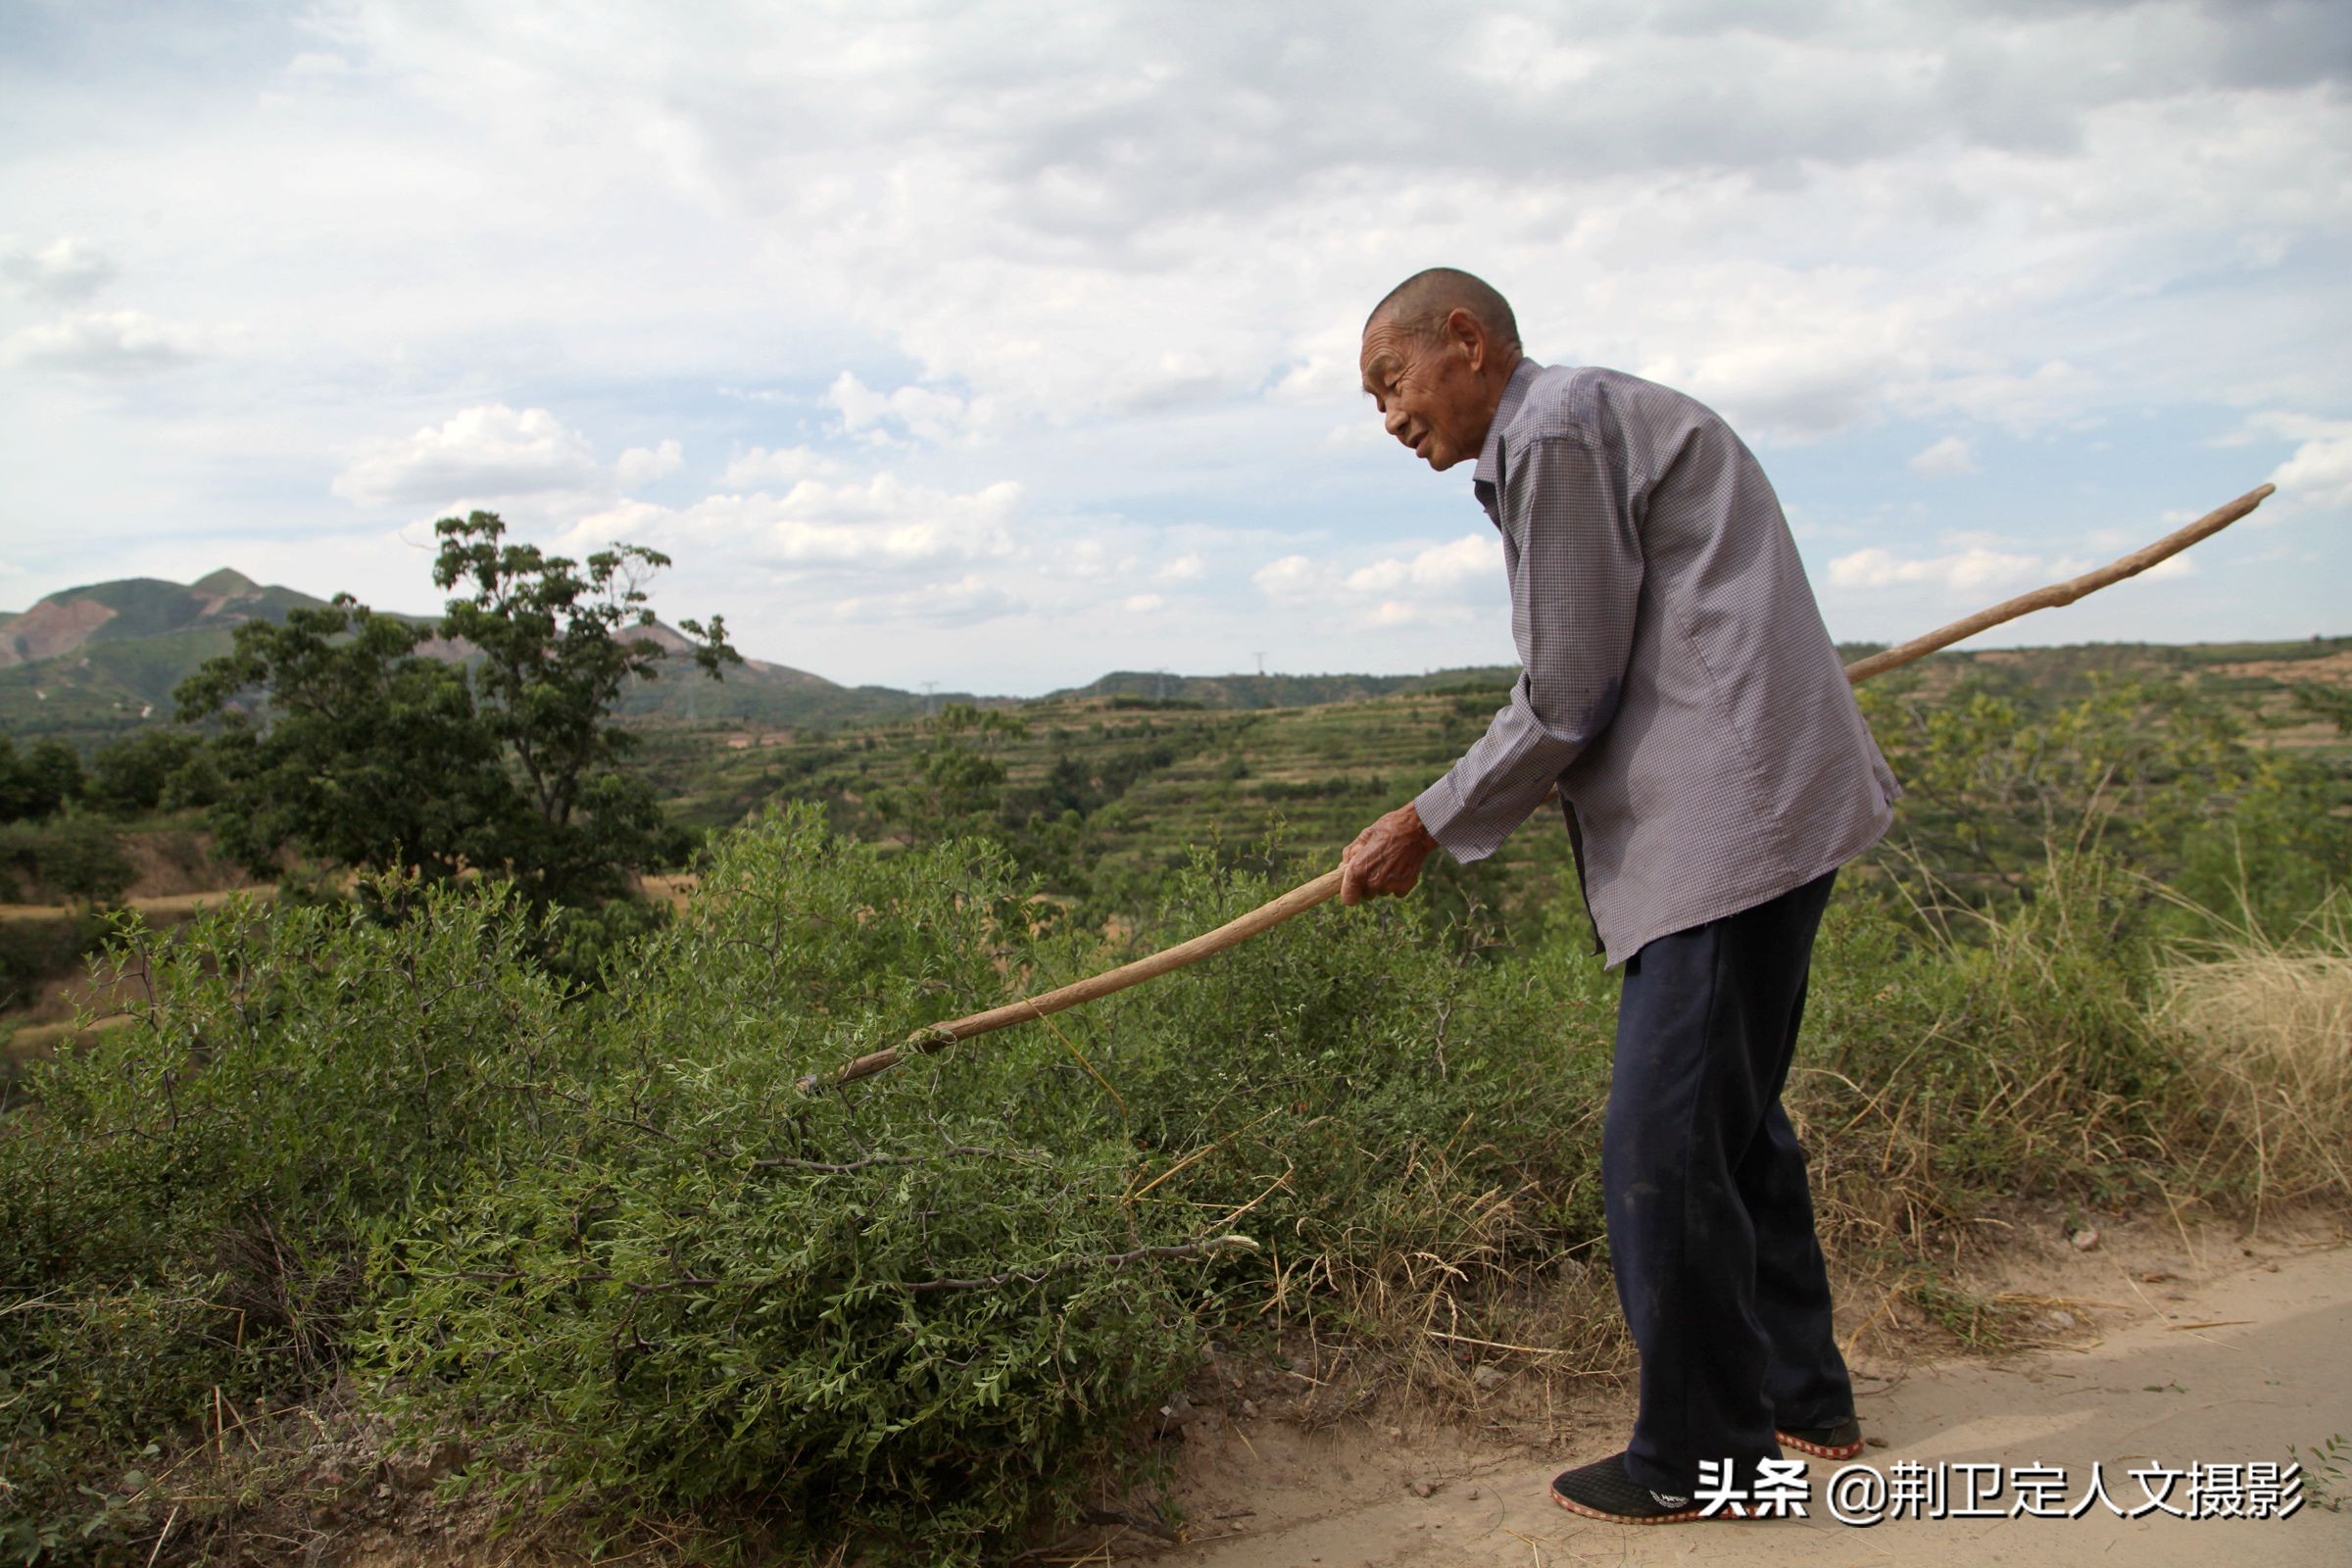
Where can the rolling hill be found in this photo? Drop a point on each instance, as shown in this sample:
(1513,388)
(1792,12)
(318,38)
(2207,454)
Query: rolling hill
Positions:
(86,664)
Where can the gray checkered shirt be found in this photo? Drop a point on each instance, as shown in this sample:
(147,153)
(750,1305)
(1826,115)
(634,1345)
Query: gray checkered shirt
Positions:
(1676,682)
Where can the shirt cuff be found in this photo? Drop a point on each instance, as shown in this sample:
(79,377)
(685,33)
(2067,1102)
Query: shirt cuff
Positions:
(1440,807)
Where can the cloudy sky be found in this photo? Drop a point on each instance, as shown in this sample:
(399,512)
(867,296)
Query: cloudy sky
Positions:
(1000,345)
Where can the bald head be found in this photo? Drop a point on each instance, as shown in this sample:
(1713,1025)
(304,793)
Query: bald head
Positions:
(1421,304)
(1439,353)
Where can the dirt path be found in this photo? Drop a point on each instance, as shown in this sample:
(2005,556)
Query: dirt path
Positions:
(160,904)
(2247,1366)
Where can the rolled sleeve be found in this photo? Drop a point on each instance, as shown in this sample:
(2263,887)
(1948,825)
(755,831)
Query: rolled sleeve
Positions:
(1575,565)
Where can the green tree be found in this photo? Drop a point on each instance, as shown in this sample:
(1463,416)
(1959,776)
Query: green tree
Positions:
(38,784)
(357,749)
(340,736)
(556,652)
(959,782)
(154,769)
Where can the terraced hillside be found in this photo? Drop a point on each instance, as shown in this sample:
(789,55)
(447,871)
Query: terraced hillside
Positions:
(1106,789)
(1105,792)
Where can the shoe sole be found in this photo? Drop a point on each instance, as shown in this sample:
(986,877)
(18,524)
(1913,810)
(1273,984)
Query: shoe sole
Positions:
(1843,1450)
(1584,1510)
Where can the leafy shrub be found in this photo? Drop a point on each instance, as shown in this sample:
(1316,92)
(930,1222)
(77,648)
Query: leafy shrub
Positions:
(193,1195)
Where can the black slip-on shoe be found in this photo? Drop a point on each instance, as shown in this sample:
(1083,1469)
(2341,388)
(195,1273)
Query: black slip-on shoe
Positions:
(1603,1489)
(1840,1441)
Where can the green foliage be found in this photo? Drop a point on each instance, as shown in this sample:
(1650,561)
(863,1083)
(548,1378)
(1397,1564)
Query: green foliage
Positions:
(65,859)
(554,658)
(39,784)
(190,1203)
(366,752)
(156,769)
(2333,704)
(2169,780)
(957,781)
(34,951)
(371,754)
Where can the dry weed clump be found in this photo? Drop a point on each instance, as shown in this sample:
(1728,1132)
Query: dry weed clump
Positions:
(2265,1030)
(1445,1292)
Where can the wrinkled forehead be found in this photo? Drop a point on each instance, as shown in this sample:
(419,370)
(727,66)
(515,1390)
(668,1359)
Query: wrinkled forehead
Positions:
(1382,355)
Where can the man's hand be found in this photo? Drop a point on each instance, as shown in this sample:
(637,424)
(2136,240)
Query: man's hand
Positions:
(1386,858)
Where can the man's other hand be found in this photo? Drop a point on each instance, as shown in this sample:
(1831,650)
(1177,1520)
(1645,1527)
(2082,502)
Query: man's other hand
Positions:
(1386,858)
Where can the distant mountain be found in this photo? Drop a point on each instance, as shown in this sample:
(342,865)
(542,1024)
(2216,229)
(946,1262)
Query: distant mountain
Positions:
(134,608)
(84,663)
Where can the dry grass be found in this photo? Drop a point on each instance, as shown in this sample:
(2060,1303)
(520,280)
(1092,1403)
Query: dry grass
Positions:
(2266,1026)
(1448,1286)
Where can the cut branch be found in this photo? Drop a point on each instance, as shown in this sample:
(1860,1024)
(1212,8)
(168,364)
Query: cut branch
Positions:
(2059,593)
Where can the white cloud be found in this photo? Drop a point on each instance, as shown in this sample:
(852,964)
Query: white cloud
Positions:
(1186,567)
(760,467)
(107,344)
(2320,473)
(1441,569)
(66,271)
(1947,459)
(640,464)
(1291,581)
(1455,583)
(881,521)
(1975,567)
(967,601)
(921,412)
(1143,604)
(490,452)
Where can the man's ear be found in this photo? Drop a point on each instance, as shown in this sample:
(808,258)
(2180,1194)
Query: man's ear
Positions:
(1467,336)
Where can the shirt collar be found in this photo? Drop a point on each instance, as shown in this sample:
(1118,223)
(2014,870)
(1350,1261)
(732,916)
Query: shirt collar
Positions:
(1514,393)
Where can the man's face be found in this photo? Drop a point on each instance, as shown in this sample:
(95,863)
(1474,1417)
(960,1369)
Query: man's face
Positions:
(1430,393)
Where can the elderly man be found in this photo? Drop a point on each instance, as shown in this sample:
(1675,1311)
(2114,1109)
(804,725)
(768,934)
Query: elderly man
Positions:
(1680,691)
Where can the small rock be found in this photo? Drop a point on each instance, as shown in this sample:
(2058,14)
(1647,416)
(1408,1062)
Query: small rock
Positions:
(1396,1433)
(1472,1494)
(1423,1488)
(2061,1321)
(2085,1239)
(1177,1411)
(1874,1442)
(1250,1408)
(1490,1377)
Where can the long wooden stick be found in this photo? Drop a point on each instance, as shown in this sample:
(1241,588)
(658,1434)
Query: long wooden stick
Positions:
(2060,593)
(1307,895)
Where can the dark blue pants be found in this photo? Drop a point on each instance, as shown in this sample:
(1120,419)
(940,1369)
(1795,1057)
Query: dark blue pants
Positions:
(1710,1220)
